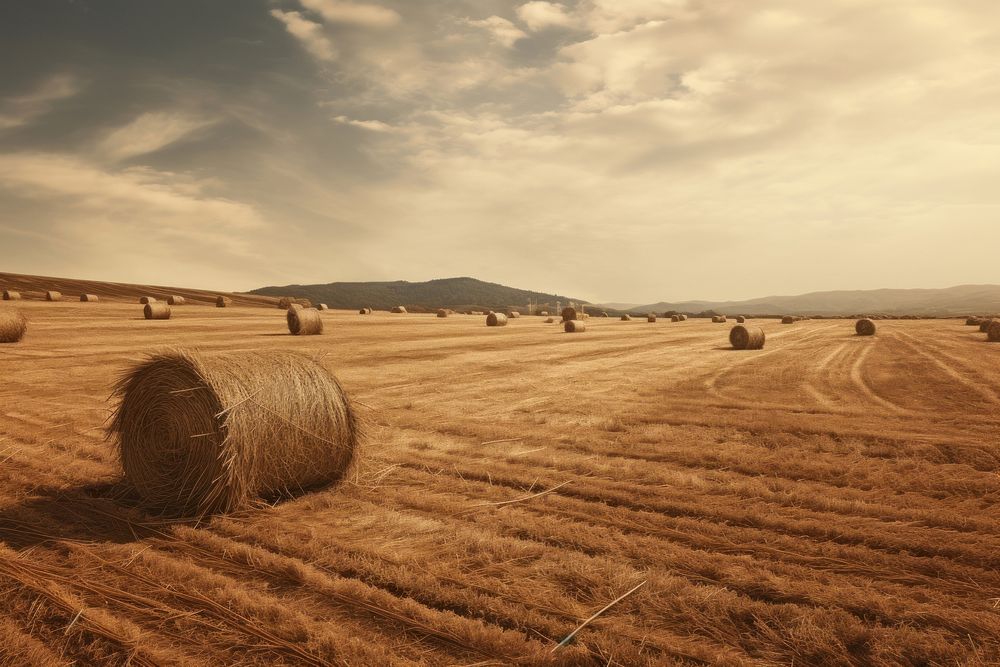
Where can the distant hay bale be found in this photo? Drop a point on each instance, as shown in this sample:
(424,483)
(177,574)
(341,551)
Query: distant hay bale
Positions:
(719,319)
(984,325)
(973,322)
(222,301)
(550,320)
(147,299)
(322,306)
(365,311)
(52,295)
(156,311)
(740,319)
(574,326)
(305,303)
(304,321)
(568,313)
(442,312)
(993,333)
(683,318)
(675,318)
(399,310)
(544,313)
(651,317)
(174,300)
(88,298)
(742,337)
(12,325)
(604,314)
(284,302)
(715,319)
(787,319)
(514,314)
(11,295)
(626,317)
(496,320)
(864,327)
(199,435)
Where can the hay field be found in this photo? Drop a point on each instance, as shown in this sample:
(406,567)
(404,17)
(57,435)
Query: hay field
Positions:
(830,499)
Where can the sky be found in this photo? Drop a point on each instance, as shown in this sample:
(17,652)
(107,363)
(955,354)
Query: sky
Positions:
(610,150)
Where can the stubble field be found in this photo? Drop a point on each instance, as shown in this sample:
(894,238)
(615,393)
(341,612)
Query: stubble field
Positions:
(830,499)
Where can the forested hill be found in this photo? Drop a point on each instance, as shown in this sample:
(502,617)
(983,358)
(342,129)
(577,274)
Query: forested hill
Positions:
(441,293)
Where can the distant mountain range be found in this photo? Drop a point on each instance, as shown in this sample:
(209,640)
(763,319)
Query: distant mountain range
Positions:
(455,293)
(961,300)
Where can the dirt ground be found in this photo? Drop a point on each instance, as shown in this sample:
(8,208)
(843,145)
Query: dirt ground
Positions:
(830,499)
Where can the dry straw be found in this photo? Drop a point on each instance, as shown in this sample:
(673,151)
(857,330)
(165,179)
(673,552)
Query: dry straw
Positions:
(88,297)
(442,312)
(787,319)
(147,299)
(742,337)
(574,326)
(496,320)
(864,327)
(52,295)
(198,435)
(993,333)
(399,310)
(175,300)
(365,311)
(11,295)
(156,311)
(651,317)
(12,325)
(568,313)
(222,302)
(304,321)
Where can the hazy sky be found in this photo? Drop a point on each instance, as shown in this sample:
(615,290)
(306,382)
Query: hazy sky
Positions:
(630,150)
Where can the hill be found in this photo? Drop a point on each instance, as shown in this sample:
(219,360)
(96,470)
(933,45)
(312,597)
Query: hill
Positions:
(958,300)
(458,293)
(34,287)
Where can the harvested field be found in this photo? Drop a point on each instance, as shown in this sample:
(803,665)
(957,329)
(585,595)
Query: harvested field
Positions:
(798,504)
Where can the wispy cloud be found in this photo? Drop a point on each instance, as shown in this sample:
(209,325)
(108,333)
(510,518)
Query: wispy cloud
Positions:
(501,30)
(22,109)
(353,13)
(309,33)
(150,132)
(372,125)
(540,15)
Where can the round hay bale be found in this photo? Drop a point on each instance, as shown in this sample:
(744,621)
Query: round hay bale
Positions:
(322,306)
(568,313)
(365,311)
(585,316)
(604,314)
(11,295)
(864,327)
(156,311)
(715,319)
(295,306)
(284,302)
(984,325)
(740,319)
(198,435)
(574,326)
(993,333)
(544,313)
(742,337)
(496,320)
(513,314)
(626,318)
(683,318)
(399,309)
(52,295)
(174,300)
(88,298)
(787,319)
(147,299)
(304,321)
(222,302)
(12,325)
(442,312)
(305,303)
(675,318)
(973,322)
(550,320)
(651,317)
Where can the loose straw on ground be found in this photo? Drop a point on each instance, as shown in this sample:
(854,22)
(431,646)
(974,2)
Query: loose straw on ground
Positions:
(569,638)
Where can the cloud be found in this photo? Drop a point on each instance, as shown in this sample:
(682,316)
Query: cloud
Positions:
(502,31)
(540,15)
(353,13)
(22,109)
(309,33)
(372,125)
(148,133)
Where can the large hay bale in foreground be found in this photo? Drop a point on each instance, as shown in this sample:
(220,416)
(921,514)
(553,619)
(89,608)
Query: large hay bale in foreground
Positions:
(222,301)
(199,434)
(626,318)
(304,321)
(52,295)
(399,310)
(156,311)
(864,327)
(174,300)
(147,299)
(496,320)
(993,333)
(11,295)
(365,311)
(742,337)
(574,326)
(12,325)
(787,319)
(651,317)
(568,313)
(88,298)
